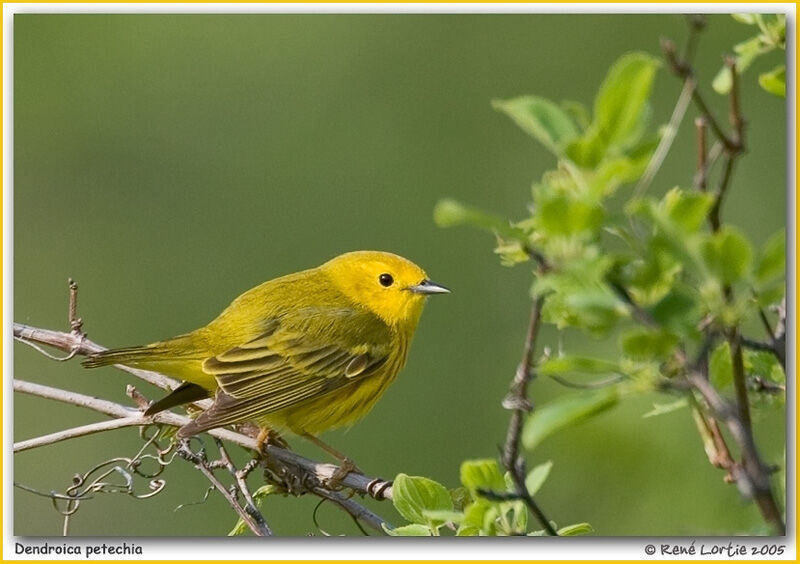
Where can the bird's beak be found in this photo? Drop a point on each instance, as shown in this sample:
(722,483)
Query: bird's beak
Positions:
(428,287)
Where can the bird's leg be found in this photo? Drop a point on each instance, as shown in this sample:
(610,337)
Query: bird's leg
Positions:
(346,465)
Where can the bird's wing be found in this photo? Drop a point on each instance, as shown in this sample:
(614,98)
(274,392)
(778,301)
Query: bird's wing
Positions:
(281,368)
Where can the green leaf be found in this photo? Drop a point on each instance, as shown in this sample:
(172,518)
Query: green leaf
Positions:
(764,365)
(677,311)
(542,119)
(475,512)
(412,495)
(728,255)
(443,516)
(772,262)
(511,252)
(578,113)
(460,497)
(647,344)
(746,52)
(720,366)
(622,99)
(664,408)
(687,209)
(561,213)
(576,529)
(413,530)
(595,308)
(565,411)
(484,474)
(774,81)
(588,150)
(583,364)
(449,213)
(748,19)
(468,531)
(537,477)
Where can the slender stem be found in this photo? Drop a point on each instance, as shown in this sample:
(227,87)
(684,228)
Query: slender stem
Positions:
(683,70)
(665,144)
(241,482)
(199,463)
(702,154)
(714,214)
(517,400)
(753,481)
(739,378)
(75,432)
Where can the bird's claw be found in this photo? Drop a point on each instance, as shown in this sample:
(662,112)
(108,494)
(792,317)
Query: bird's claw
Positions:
(346,467)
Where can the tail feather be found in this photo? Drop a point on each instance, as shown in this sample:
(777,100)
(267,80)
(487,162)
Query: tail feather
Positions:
(183,394)
(129,355)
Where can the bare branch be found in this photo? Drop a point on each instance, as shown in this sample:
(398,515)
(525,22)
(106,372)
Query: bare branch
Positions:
(259,529)
(319,472)
(75,432)
(241,484)
(69,342)
(517,400)
(683,70)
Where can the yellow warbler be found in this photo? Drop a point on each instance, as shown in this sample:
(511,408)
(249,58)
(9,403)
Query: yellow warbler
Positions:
(305,352)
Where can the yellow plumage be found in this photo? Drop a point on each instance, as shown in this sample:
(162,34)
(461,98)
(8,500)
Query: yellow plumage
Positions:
(305,352)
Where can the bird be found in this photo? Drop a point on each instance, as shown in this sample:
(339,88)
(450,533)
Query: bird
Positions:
(304,353)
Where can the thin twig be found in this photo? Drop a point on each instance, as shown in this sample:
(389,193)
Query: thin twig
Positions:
(727,174)
(665,143)
(739,377)
(753,481)
(318,471)
(702,154)
(82,431)
(519,404)
(250,504)
(683,70)
(200,463)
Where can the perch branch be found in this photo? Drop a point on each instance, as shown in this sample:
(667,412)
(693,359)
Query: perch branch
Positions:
(319,472)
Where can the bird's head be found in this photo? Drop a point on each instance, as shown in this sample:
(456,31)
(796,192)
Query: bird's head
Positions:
(390,286)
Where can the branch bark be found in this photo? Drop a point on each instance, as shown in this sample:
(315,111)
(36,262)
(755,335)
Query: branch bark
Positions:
(517,400)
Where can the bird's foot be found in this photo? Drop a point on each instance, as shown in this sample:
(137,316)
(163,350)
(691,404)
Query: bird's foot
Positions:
(346,467)
(267,437)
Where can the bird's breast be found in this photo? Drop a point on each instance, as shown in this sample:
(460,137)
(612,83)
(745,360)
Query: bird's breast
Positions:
(346,405)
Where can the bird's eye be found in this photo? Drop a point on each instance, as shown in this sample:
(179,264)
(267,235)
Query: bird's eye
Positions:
(386,279)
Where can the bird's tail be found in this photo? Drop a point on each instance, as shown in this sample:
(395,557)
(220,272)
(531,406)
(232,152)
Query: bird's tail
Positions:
(127,356)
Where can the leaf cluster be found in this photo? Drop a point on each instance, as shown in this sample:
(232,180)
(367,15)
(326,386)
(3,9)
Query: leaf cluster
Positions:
(484,505)
(651,272)
(770,36)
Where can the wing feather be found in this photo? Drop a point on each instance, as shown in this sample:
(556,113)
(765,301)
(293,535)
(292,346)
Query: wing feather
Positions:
(281,368)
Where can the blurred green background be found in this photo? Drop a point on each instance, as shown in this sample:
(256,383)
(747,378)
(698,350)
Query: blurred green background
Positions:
(170,162)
